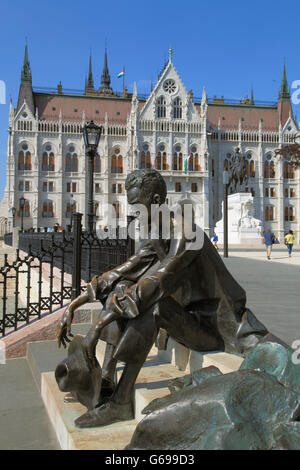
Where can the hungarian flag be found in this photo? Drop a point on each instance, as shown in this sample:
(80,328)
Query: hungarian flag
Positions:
(121,74)
(186,163)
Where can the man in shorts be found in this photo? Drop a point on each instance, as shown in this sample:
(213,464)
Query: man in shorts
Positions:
(269,238)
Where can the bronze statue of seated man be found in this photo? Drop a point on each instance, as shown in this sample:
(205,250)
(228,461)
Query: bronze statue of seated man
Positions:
(167,285)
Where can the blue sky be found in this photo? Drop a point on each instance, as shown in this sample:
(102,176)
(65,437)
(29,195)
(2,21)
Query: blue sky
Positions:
(223,45)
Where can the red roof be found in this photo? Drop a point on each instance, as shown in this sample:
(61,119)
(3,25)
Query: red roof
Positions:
(72,107)
(118,109)
(229,117)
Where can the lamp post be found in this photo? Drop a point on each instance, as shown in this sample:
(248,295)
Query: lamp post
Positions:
(225,216)
(13,213)
(22,204)
(91,136)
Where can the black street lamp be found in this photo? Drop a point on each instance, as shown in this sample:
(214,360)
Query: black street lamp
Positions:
(13,212)
(91,136)
(72,208)
(225,216)
(233,177)
(22,205)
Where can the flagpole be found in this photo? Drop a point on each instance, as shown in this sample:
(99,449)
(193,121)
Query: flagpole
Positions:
(124,78)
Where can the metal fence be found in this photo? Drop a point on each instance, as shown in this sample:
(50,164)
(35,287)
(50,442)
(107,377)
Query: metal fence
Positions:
(49,269)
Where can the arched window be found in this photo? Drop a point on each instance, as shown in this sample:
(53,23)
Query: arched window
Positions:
(28,161)
(21,161)
(120,164)
(145,159)
(177,159)
(193,163)
(288,171)
(116,162)
(24,161)
(97,164)
(161,107)
(252,169)
(48,159)
(161,161)
(71,160)
(269,167)
(177,108)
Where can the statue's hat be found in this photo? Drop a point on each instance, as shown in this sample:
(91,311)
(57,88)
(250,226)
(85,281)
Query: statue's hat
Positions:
(80,375)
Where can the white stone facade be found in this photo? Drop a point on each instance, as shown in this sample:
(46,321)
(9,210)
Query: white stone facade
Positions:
(158,131)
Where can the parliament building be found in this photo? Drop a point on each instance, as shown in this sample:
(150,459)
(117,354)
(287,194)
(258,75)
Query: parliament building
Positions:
(46,162)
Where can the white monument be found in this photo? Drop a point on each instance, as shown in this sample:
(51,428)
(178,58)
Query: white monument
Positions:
(243,227)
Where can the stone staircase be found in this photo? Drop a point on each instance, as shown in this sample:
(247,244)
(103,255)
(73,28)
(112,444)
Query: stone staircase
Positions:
(41,360)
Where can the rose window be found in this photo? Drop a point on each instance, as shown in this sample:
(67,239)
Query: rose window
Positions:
(170,86)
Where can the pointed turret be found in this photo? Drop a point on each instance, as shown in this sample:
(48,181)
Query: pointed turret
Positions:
(252,97)
(26,71)
(25,92)
(105,88)
(284,93)
(284,100)
(89,84)
(11,112)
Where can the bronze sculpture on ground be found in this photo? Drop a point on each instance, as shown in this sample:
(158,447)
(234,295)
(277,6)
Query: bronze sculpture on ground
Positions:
(254,408)
(188,293)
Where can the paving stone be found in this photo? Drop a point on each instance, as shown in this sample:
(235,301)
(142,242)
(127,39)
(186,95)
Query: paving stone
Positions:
(24,422)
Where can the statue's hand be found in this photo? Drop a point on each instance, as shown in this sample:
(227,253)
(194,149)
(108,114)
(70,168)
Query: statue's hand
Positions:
(64,330)
(90,342)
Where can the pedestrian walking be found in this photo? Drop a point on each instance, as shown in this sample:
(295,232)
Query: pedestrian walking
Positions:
(214,240)
(269,239)
(289,241)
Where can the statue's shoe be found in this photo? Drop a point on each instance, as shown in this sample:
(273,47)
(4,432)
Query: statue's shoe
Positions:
(106,414)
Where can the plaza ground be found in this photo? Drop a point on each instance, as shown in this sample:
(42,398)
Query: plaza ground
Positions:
(272,287)
(272,294)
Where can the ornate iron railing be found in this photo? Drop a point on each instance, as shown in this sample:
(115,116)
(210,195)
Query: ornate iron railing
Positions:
(50,269)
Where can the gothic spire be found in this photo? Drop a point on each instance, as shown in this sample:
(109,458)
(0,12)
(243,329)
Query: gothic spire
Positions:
(26,71)
(284,93)
(105,88)
(105,77)
(89,86)
(252,96)
(25,91)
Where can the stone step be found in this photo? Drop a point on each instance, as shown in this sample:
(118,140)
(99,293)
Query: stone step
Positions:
(151,383)
(62,415)
(25,424)
(43,356)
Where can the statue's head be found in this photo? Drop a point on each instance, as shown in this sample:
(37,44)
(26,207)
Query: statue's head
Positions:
(145,187)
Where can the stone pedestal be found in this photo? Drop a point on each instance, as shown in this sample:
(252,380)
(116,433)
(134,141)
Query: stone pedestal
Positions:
(243,227)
